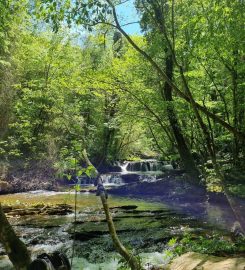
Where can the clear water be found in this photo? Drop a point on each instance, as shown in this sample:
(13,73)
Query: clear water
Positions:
(146,229)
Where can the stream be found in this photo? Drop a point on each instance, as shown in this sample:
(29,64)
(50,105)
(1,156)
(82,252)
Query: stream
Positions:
(144,225)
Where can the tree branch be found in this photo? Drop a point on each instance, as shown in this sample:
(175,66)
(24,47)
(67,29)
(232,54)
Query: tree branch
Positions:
(163,75)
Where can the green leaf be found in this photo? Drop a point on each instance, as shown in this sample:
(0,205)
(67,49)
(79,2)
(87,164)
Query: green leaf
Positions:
(80,172)
(91,171)
(77,188)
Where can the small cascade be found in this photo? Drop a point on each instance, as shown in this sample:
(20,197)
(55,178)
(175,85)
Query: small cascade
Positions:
(142,171)
(124,166)
(131,172)
(112,179)
(148,178)
(150,165)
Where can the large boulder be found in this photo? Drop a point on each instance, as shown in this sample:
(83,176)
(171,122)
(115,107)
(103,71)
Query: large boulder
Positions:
(109,168)
(130,177)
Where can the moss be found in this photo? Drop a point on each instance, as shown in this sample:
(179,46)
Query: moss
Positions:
(237,190)
(213,244)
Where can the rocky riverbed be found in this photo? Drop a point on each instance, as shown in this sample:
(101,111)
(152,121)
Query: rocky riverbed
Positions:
(45,222)
(149,208)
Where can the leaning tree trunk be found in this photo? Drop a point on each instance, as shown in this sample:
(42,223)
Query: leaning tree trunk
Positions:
(130,259)
(15,248)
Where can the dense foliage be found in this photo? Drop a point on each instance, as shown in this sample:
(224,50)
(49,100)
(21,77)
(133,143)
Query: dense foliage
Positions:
(73,81)
(174,92)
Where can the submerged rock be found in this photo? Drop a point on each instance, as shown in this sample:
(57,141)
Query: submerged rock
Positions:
(39,209)
(125,207)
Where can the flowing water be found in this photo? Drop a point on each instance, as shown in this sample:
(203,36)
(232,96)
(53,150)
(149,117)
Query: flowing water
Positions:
(142,225)
(148,165)
(136,171)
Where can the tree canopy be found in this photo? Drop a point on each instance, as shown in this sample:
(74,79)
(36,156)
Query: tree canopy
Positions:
(175,91)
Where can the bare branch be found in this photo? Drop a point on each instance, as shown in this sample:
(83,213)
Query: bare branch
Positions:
(129,23)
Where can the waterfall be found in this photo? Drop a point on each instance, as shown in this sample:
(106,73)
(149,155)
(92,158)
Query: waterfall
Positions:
(124,166)
(150,165)
(112,179)
(132,171)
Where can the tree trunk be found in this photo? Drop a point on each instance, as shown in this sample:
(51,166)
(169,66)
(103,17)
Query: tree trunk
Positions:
(182,147)
(236,111)
(130,259)
(15,248)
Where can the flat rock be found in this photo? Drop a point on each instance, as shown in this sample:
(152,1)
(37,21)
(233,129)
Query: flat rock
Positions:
(196,261)
(20,210)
